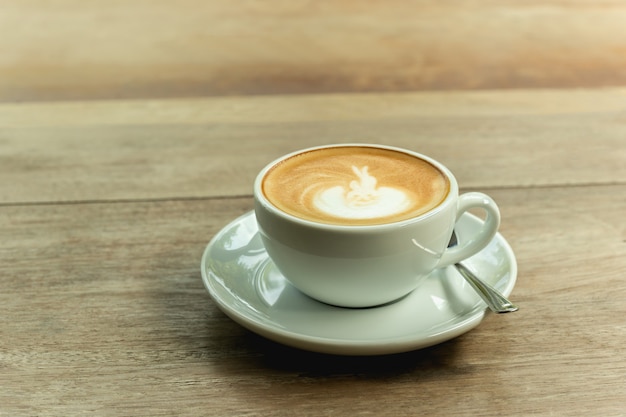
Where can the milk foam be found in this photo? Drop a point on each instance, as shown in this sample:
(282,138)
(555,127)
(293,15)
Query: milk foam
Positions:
(354,185)
(362,199)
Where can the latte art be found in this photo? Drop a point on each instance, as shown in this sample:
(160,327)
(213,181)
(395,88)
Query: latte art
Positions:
(355,185)
(363,200)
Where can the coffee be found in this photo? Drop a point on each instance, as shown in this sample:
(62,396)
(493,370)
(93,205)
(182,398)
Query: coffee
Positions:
(355,185)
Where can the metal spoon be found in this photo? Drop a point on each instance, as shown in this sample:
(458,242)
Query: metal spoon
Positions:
(496,302)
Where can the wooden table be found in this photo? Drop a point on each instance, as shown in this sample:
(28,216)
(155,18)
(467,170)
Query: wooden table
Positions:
(131,132)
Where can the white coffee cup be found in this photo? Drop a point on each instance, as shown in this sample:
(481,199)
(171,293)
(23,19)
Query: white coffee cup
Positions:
(366,265)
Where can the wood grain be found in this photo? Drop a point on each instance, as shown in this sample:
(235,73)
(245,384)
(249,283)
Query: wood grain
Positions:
(120,150)
(155,48)
(104,312)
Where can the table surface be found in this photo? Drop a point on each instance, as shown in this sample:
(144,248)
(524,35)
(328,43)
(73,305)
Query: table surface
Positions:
(131,132)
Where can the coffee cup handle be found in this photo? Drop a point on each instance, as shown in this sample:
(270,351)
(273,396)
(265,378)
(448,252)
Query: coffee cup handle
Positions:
(481,239)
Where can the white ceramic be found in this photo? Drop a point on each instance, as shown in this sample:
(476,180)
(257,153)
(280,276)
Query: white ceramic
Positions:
(362,266)
(245,285)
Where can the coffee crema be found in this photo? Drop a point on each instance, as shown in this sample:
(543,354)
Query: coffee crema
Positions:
(355,185)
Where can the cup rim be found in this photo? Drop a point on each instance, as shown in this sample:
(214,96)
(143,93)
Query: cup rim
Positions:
(268,205)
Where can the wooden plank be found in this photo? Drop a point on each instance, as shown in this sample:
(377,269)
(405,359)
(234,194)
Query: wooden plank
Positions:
(112,150)
(156,48)
(104,312)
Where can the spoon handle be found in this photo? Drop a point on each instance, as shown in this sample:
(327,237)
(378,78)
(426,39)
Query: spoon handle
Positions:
(496,302)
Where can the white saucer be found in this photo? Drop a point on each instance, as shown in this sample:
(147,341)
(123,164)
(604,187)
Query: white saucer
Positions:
(246,286)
